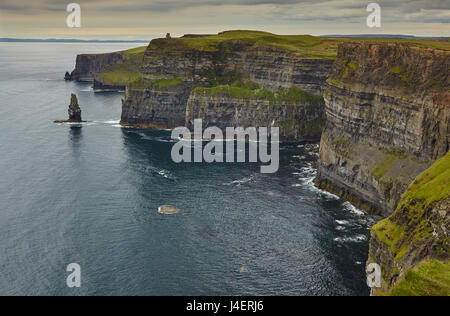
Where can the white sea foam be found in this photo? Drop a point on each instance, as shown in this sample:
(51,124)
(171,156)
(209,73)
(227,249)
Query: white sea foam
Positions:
(114,122)
(358,238)
(242,181)
(161,172)
(352,209)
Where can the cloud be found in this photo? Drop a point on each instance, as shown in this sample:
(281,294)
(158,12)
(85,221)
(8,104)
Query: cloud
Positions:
(18,16)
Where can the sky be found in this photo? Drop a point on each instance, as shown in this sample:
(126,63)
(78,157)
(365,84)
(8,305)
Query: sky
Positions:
(147,19)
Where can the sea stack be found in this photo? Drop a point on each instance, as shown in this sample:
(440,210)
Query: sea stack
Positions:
(68,77)
(74,110)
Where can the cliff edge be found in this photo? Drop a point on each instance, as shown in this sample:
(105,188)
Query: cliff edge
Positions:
(237,78)
(388,118)
(111,71)
(413,245)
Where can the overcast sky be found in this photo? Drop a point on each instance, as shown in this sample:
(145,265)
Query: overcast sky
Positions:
(146,19)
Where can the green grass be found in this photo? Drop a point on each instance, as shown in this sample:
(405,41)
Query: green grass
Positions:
(344,147)
(307,45)
(253,91)
(120,76)
(165,83)
(397,70)
(429,188)
(386,163)
(432,278)
(125,73)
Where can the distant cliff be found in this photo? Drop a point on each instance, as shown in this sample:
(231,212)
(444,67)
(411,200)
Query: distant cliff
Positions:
(211,62)
(388,120)
(236,78)
(112,71)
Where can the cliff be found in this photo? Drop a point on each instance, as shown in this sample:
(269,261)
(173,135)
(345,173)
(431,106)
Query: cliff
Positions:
(238,78)
(112,71)
(159,104)
(388,118)
(299,115)
(251,56)
(413,245)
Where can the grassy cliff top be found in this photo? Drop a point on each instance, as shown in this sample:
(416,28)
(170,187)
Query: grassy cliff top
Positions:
(411,225)
(307,45)
(432,278)
(249,90)
(126,72)
(417,235)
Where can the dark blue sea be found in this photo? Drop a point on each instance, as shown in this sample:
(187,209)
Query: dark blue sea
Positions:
(89,195)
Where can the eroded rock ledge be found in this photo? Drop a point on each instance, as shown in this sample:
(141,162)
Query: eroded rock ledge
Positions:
(231,83)
(388,118)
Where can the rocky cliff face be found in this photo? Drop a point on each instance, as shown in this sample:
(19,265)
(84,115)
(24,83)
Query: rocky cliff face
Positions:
(418,231)
(388,119)
(89,66)
(172,69)
(298,120)
(273,68)
(155,106)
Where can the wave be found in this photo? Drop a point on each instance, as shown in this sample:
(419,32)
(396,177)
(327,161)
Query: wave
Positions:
(113,122)
(161,172)
(353,209)
(156,139)
(358,238)
(241,181)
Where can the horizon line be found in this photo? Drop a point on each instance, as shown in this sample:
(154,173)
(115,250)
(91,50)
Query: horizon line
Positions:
(75,40)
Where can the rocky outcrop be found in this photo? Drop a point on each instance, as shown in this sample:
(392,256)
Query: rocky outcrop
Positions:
(89,66)
(299,120)
(156,106)
(418,231)
(109,72)
(172,69)
(74,111)
(100,86)
(271,67)
(388,118)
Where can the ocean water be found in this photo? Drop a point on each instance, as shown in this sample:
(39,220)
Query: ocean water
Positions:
(89,195)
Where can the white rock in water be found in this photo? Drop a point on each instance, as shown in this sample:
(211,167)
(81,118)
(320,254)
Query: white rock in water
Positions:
(168,210)
(244,269)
